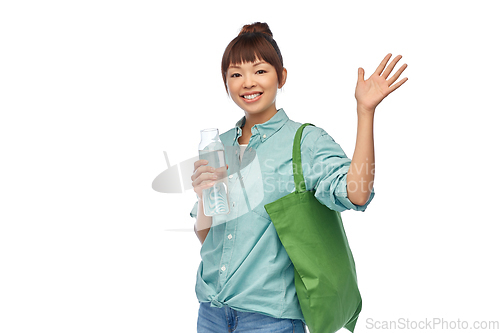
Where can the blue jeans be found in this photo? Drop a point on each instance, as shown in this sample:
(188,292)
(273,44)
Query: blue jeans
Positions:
(225,319)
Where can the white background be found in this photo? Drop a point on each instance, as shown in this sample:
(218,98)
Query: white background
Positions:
(93,92)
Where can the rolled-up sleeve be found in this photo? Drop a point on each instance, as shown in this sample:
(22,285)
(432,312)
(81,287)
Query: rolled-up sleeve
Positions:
(327,173)
(194,211)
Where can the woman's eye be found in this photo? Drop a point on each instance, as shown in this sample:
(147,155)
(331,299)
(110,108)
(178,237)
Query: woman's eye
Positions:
(261,71)
(236,75)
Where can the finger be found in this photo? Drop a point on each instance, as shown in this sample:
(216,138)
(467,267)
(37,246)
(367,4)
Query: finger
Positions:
(203,179)
(198,164)
(389,68)
(396,75)
(361,75)
(204,169)
(382,65)
(201,169)
(199,188)
(221,172)
(397,85)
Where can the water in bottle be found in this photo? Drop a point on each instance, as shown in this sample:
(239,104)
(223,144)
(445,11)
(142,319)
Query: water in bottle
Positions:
(215,198)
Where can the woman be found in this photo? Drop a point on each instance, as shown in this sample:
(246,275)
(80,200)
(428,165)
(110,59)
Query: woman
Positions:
(245,281)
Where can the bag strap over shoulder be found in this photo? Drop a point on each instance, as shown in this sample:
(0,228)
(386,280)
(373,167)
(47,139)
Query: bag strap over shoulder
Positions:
(298,177)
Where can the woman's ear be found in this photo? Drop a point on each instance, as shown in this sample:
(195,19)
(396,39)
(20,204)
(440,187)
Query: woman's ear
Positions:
(283,78)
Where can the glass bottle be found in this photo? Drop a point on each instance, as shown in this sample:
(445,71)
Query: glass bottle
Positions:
(215,198)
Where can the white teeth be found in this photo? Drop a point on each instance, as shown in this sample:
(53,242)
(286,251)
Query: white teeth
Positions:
(251,96)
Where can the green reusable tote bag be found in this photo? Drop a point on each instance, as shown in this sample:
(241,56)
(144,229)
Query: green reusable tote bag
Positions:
(314,238)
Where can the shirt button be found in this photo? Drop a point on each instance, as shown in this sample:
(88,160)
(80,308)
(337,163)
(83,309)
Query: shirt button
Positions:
(234,204)
(229,236)
(264,136)
(223,268)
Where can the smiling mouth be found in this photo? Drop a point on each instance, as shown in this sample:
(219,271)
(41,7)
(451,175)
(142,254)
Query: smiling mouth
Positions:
(252,96)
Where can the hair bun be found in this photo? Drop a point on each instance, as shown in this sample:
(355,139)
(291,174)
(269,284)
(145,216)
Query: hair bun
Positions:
(256,27)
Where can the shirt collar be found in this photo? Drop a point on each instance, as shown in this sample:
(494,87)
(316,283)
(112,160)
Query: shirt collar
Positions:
(265,130)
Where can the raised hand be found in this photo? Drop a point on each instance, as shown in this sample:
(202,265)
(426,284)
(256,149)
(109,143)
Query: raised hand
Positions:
(205,176)
(369,93)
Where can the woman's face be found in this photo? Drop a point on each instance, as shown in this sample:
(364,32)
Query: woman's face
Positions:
(253,86)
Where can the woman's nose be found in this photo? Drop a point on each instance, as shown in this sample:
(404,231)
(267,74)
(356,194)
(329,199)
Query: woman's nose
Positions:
(249,82)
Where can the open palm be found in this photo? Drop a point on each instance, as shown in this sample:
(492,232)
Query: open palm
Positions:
(371,92)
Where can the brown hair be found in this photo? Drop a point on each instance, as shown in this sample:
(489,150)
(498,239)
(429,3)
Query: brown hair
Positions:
(254,42)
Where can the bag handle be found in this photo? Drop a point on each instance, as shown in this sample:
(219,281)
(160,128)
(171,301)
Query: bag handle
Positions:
(298,177)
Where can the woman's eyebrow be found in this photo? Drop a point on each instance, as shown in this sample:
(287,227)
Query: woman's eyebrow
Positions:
(256,64)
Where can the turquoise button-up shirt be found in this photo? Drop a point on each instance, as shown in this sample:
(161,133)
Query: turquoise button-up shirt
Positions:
(243,263)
